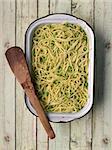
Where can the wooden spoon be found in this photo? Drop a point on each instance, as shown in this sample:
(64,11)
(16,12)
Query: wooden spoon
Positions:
(17,62)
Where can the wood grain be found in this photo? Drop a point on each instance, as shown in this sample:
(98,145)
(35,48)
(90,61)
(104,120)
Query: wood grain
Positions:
(7,80)
(26,12)
(60,6)
(102,112)
(81,129)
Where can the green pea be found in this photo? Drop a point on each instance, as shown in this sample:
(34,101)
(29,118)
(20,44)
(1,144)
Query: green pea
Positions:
(86,84)
(85,48)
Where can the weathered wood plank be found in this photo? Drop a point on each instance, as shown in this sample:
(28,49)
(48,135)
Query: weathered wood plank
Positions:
(81,131)
(7,80)
(83,9)
(26,12)
(60,6)
(102,113)
(62,140)
(42,138)
(43,8)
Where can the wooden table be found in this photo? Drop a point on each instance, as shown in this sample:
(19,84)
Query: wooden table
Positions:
(19,129)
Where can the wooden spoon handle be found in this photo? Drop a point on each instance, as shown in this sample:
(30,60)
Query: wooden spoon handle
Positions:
(17,62)
(29,90)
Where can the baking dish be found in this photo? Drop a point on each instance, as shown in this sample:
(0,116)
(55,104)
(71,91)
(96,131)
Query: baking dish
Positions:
(59,18)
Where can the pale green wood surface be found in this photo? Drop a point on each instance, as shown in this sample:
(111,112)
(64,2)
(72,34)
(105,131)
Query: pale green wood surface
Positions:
(19,129)
(25,122)
(102,114)
(7,92)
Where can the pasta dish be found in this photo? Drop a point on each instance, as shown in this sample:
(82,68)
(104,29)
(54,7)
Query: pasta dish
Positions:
(60,59)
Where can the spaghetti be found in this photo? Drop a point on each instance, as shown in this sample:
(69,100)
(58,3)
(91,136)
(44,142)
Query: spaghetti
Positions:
(60,58)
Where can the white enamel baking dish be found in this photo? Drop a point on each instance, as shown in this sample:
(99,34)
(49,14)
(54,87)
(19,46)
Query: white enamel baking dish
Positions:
(59,18)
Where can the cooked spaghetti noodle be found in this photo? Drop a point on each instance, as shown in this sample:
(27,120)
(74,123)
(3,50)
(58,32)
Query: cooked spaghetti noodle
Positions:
(60,58)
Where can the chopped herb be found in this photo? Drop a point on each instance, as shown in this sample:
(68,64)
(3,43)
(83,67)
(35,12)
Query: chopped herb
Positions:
(48,68)
(59,69)
(49,25)
(56,82)
(76,34)
(69,69)
(86,84)
(84,38)
(42,59)
(66,76)
(45,94)
(33,52)
(81,29)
